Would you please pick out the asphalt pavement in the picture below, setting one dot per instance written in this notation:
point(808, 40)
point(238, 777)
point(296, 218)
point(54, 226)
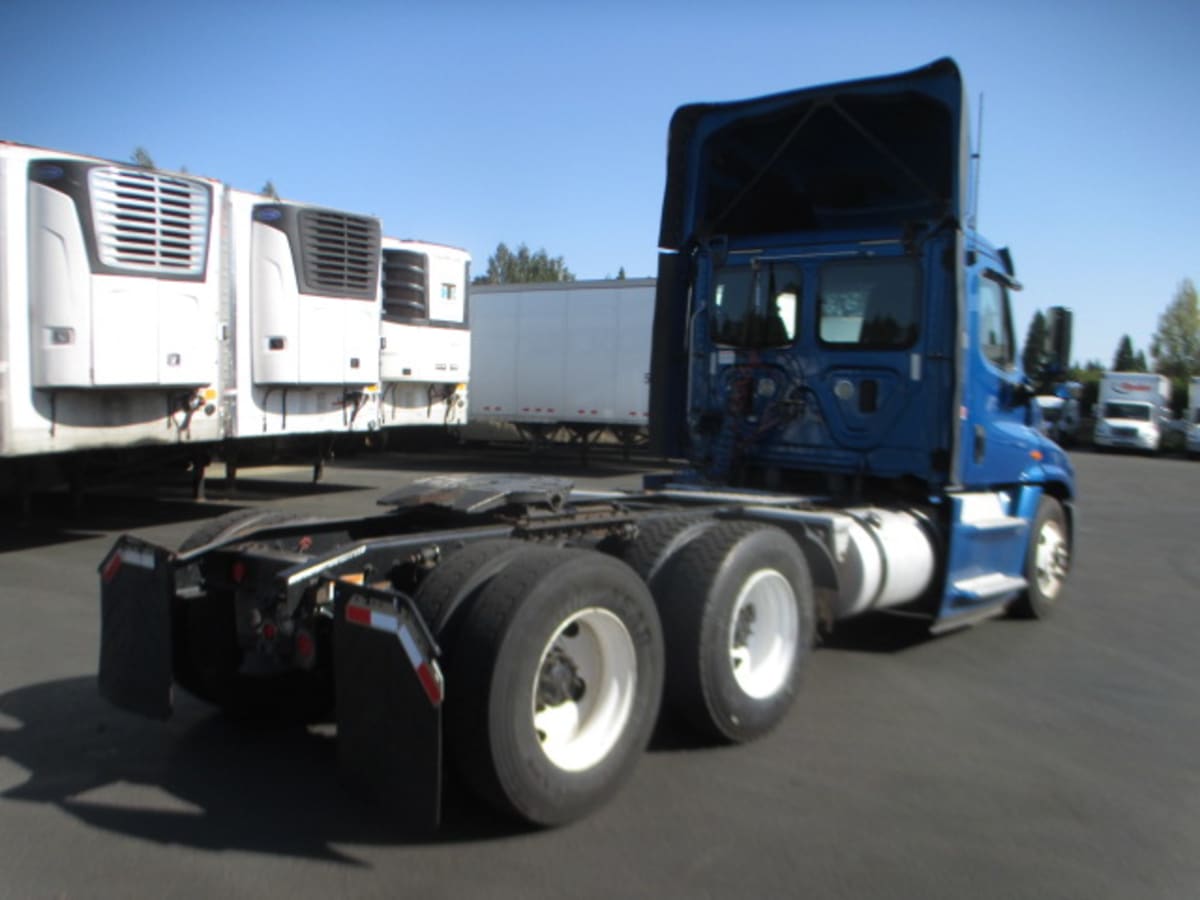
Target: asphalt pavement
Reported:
point(1055, 759)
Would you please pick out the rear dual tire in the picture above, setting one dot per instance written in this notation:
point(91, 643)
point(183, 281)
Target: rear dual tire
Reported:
point(736, 603)
point(554, 680)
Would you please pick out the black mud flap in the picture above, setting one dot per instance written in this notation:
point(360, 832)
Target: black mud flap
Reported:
point(389, 705)
point(137, 584)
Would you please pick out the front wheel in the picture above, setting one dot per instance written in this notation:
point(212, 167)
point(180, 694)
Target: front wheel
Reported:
point(553, 683)
point(1047, 561)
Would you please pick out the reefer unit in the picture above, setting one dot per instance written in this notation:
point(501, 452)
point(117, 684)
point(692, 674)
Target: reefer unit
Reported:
point(109, 294)
point(425, 359)
point(564, 353)
point(305, 312)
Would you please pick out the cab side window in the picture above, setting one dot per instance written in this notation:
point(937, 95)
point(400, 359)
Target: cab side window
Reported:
point(995, 324)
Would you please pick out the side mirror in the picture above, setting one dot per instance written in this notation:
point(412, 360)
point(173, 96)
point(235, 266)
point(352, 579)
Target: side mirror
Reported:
point(1021, 394)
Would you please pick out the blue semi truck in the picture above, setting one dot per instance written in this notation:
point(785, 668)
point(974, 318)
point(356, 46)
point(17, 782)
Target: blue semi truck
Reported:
point(835, 368)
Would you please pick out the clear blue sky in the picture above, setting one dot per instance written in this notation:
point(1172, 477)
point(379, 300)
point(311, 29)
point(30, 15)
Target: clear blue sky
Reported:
point(471, 123)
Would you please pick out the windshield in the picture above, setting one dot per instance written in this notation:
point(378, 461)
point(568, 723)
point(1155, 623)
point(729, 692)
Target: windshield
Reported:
point(756, 305)
point(1136, 411)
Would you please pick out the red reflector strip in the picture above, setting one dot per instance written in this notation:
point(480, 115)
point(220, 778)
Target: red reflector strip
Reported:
point(359, 615)
point(111, 568)
point(426, 669)
point(126, 556)
point(431, 680)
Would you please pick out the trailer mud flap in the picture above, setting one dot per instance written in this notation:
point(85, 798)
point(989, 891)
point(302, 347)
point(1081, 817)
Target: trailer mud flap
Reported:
point(389, 705)
point(137, 584)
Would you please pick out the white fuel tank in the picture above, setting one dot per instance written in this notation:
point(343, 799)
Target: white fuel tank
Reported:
point(886, 559)
point(881, 557)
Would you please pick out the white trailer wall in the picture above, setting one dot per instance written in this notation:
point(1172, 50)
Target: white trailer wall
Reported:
point(567, 353)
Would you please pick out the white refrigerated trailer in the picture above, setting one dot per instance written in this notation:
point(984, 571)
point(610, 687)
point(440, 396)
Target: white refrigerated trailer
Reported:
point(148, 315)
point(563, 356)
point(110, 284)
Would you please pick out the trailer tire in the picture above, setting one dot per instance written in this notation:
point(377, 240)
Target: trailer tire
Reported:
point(1047, 561)
point(553, 684)
point(659, 539)
point(738, 614)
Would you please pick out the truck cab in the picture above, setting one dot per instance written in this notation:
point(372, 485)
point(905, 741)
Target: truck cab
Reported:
point(845, 327)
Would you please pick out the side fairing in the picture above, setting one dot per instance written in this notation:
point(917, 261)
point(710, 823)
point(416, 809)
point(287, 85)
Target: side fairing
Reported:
point(888, 151)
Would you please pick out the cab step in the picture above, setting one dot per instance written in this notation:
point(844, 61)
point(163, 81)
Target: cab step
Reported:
point(990, 586)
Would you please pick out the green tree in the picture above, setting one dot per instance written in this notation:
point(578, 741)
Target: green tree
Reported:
point(1033, 358)
point(523, 267)
point(1088, 375)
point(1125, 360)
point(1176, 345)
point(621, 274)
point(268, 190)
point(141, 157)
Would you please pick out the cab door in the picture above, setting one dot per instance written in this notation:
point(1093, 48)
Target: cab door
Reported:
point(996, 440)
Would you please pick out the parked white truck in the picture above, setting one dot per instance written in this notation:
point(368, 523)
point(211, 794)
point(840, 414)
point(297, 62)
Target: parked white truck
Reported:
point(1060, 413)
point(1132, 410)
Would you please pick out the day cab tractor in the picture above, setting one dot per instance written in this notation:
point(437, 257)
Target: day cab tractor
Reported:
point(834, 366)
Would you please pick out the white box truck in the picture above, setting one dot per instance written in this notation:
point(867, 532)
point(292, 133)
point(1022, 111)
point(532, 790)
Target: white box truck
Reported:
point(1132, 411)
point(572, 355)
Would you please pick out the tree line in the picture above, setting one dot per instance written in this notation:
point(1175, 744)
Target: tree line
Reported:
point(1174, 350)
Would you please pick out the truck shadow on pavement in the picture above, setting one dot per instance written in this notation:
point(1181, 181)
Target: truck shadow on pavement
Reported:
point(201, 780)
point(878, 632)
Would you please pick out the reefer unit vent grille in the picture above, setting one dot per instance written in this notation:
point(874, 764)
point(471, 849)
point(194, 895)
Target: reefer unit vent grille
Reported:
point(340, 253)
point(148, 222)
point(404, 284)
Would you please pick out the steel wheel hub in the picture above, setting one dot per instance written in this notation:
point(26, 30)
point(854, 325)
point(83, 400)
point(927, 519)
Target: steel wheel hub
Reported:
point(583, 694)
point(1051, 559)
point(764, 634)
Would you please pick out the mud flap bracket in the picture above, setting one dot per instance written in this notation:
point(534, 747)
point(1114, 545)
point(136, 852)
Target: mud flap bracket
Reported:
point(389, 704)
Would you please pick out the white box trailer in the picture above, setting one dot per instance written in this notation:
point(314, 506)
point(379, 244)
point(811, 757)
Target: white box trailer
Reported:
point(1132, 410)
point(425, 357)
point(573, 355)
point(109, 293)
